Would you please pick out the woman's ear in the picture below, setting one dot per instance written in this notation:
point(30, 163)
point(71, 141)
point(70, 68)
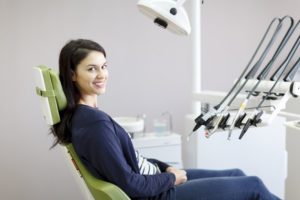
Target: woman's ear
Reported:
point(73, 75)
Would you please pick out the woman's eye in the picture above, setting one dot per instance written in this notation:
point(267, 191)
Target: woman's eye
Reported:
point(92, 69)
point(104, 66)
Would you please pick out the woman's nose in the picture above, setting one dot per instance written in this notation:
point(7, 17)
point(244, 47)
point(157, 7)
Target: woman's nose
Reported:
point(101, 74)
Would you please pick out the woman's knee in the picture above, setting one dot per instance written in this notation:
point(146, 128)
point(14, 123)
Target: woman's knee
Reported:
point(256, 182)
point(259, 189)
point(238, 172)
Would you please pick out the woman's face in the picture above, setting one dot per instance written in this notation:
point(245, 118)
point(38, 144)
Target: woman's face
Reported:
point(91, 75)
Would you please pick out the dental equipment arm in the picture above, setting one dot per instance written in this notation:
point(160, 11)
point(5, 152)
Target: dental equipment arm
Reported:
point(240, 115)
point(213, 124)
point(256, 115)
point(273, 94)
point(206, 118)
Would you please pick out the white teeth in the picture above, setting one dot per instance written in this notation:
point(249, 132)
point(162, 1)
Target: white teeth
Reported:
point(99, 84)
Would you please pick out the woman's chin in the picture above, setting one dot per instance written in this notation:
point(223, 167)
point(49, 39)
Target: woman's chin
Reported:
point(102, 91)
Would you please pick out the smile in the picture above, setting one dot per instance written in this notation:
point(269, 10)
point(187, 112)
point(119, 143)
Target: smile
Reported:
point(99, 84)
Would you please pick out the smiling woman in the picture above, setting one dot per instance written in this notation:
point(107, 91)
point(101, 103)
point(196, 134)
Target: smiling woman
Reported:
point(106, 149)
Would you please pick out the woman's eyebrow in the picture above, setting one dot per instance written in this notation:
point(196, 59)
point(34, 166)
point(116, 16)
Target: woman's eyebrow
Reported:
point(95, 65)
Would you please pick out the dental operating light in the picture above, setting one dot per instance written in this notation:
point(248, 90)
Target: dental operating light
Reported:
point(168, 14)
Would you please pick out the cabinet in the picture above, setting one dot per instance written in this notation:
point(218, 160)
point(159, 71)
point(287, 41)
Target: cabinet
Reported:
point(165, 148)
point(261, 152)
point(292, 146)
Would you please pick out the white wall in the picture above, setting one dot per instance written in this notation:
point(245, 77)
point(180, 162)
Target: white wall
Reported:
point(150, 72)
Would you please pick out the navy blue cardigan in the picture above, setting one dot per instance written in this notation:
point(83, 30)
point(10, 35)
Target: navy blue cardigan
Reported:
point(106, 150)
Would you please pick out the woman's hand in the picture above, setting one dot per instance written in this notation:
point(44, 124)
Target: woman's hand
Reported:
point(180, 175)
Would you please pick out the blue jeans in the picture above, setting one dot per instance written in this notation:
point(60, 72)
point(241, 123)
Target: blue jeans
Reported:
point(222, 185)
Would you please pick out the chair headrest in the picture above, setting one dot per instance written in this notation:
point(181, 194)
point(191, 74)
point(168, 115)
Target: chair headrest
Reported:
point(48, 87)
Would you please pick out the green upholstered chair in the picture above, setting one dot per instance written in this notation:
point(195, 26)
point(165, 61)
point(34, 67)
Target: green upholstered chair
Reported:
point(53, 100)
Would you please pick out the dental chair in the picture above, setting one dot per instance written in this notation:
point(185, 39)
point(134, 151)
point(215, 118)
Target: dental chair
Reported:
point(53, 100)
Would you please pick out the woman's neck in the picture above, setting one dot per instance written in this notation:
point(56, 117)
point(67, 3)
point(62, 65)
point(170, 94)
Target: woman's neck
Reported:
point(89, 101)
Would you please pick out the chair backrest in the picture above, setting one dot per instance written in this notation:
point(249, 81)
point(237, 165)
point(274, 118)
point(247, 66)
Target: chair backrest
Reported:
point(100, 189)
point(53, 100)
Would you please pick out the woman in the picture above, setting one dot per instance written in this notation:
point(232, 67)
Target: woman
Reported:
point(107, 151)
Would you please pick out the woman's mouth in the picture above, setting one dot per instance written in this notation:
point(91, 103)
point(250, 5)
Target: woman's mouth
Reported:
point(99, 84)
